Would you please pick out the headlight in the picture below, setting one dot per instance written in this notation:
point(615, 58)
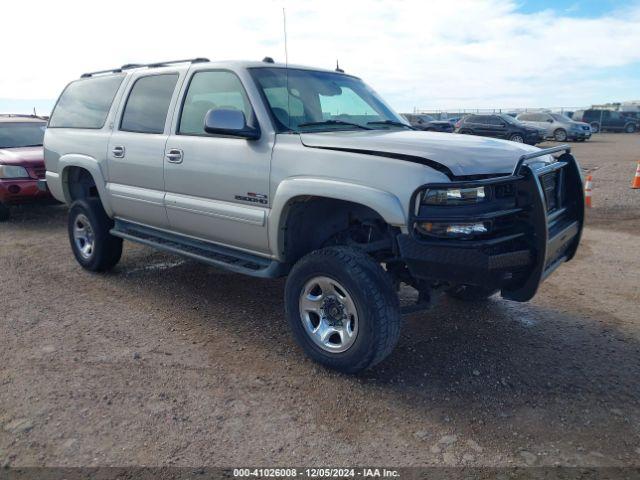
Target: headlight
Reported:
point(12, 171)
point(453, 196)
point(458, 230)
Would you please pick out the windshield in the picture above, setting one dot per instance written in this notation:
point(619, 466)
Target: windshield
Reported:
point(320, 101)
point(21, 134)
point(509, 119)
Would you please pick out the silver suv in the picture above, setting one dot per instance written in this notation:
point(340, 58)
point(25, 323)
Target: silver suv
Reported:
point(557, 126)
point(269, 171)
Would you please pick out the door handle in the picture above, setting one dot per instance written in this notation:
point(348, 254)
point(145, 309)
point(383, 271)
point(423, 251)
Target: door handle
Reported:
point(118, 152)
point(174, 155)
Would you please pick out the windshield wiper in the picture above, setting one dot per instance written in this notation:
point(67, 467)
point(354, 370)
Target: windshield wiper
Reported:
point(334, 122)
point(391, 122)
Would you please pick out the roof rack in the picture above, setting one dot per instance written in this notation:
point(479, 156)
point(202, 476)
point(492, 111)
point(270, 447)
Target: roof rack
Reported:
point(129, 66)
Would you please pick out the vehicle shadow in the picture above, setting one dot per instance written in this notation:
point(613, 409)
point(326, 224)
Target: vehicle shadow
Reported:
point(464, 352)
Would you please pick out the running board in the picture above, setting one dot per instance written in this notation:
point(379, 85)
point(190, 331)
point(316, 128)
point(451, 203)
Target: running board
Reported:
point(205, 252)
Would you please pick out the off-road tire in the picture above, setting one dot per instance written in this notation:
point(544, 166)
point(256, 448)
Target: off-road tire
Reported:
point(471, 293)
point(107, 248)
point(560, 135)
point(373, 294)
point(5, 213)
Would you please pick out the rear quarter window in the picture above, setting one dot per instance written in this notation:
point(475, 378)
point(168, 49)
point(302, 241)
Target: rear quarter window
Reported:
point(85, 103)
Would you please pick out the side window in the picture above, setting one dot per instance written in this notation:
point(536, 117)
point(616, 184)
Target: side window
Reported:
point(208, 90)
point(527, 117)
point(495, 121)
point(474, 119)
point(85, 103)
point(148, 104)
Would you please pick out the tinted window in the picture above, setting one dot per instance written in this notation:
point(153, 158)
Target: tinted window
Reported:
point(85, 103)
point(527, 117)
point(495, 121)
point(148, 104)
point(209, 90)
point(475, 119)
point(21, 134)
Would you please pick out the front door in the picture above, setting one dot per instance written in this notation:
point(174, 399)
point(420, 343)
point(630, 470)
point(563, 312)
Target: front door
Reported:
point(217, 187)
point(136, 150)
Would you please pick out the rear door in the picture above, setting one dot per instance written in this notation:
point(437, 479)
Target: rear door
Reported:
point(137, 146)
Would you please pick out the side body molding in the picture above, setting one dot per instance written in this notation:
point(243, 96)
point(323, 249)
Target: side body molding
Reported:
point(93, 167)
point(387, 205)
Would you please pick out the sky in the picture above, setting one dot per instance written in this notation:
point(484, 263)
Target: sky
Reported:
point(417, 54)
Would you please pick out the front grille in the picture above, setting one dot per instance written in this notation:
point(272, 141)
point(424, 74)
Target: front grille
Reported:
point(549, 182)
point(39, 172)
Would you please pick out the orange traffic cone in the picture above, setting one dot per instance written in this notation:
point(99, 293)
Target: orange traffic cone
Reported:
point(587, 191)
point(636, 179)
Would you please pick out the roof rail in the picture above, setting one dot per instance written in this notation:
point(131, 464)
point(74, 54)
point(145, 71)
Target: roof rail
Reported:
point(129, 66)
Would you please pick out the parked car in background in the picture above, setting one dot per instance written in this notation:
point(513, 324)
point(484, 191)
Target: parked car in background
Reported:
point(557, 126)
point(428, 123)
point(606, 120)
point(21, 161)
point(500, 125)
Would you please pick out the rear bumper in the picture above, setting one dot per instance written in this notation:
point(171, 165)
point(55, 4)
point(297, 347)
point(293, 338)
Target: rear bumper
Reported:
point(529, 239)
point(17, 191)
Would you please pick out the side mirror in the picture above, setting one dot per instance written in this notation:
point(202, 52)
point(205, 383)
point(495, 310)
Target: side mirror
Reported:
point(223, 121)
point(550, 120)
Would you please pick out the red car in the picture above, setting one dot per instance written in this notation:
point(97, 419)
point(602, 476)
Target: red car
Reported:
point(21, 161)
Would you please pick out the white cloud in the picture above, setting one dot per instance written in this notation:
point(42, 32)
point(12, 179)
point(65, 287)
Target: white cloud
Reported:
point(466, 53)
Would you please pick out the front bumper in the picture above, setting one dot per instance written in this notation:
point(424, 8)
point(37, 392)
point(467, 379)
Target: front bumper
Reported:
point(536, 226)
point(579, 135)
point(21, 190)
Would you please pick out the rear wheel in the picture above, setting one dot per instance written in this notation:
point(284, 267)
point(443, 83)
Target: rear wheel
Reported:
point(516, 137)
point(630, 128)
point(471, 293)
point(93, 246)
point(4, 213)
point(560, 135)
point(595, 127)
point(342, 309)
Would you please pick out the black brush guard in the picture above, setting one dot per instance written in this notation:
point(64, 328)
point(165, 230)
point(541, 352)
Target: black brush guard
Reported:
point(536, 216)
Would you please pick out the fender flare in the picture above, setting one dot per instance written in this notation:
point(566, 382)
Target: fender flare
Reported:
point(387, 205)
point(93, 167)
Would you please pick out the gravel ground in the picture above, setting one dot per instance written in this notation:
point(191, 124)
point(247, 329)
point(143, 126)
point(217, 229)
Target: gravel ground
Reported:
point(168, 362)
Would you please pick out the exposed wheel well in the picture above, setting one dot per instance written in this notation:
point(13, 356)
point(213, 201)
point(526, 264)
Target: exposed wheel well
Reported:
point(80, 183)
point(313, 222)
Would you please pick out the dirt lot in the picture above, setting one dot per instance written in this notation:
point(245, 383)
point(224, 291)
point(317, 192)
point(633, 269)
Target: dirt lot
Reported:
point(168, 362)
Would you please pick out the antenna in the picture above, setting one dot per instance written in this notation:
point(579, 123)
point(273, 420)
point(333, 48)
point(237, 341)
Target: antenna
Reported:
point(338, 69)
point(284, 25)
point(286, 66)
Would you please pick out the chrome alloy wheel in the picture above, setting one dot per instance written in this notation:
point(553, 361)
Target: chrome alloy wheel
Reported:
point(83, 236)
point(328, 314)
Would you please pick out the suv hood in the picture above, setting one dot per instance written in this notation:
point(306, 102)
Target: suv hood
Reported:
point(461, 155)
point(23, 156)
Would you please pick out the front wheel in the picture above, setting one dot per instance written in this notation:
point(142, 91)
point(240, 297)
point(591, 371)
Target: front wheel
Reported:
point(93, 246)
point(630, 128)
point(560, 135)
point(5, 214)
point(595, 127)
point(516, 137)
point(342, 309)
